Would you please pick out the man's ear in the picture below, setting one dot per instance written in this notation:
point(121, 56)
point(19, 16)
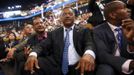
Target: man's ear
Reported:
point(112, 15)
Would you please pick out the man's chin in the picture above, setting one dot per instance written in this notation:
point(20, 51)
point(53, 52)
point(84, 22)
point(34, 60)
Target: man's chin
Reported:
point(40, 30)
point(68, 23)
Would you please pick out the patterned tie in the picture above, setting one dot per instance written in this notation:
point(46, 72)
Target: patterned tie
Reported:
point(119, 37)
point(65, 53)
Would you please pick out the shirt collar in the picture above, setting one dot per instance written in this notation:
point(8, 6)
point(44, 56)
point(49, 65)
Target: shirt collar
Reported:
point(70, 27)
point(113, 27)
point(42, 36)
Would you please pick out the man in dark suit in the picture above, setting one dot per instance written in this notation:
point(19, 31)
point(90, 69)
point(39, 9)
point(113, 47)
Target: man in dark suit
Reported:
point(113, 57)
point(39, 35)
point(70, 47)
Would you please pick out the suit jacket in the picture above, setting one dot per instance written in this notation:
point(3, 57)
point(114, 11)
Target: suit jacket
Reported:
point(34, 40)
point(106, 46)
point(97, 17)
point(55, 43)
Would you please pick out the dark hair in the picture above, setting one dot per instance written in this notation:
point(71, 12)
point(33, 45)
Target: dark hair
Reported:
point(111, 7)
point(13, 34)
point(67, 7)
point(37, 17)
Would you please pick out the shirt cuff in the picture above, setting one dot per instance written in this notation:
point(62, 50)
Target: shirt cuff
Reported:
point(125, 67)
point(91, 53)
point(33, 54)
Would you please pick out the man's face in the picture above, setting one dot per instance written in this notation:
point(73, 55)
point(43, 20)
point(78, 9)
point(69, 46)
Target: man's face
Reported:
point(11, 36)
point(122, 12)
point(39, 25)
point(28, 29)
point(67, 17)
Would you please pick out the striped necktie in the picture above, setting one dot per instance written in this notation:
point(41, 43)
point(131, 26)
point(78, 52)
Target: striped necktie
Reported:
point(65, 53)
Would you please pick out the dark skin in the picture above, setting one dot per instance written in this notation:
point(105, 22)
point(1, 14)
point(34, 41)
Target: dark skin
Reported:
point(131, 2)
point(121, 17)
point(86, 63)
point(118, 14)
point(128, 29)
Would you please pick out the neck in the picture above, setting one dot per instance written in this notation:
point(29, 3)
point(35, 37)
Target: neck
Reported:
point(27, 34)
point(41, 32)
point(68, 26)
point(115, 23)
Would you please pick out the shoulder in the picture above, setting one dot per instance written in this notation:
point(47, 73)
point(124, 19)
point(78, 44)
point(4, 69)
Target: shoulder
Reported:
point(80, 27)
point(102, 26)
point(55, 32)
point(32, 38)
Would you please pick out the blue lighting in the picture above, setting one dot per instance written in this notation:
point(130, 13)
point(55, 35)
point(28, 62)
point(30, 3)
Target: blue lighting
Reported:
point(37, 13)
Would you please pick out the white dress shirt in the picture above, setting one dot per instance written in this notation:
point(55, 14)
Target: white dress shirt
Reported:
point(73, 56)
point(125, 66)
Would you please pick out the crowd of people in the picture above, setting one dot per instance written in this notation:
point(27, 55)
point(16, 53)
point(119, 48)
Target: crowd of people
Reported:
point(94, 43)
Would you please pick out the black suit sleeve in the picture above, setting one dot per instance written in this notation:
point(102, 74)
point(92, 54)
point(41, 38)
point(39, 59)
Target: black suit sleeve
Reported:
point(88, 40)
point(44, 48)
point(103, 54)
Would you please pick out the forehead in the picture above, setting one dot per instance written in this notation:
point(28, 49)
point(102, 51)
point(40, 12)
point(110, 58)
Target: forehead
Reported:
point(116, 5)
point(66, 10)
point(121, 5)
point(37, 20)
point(28, 26)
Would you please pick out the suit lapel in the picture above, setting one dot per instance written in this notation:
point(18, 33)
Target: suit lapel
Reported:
point(61, 38)
point(75, 35)
point(124, 45)
point(109, 32)
point(111, 38)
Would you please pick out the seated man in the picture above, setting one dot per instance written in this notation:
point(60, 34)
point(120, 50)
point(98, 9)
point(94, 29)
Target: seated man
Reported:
point(70, 47)
point(39, 36)
point(112, 53)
